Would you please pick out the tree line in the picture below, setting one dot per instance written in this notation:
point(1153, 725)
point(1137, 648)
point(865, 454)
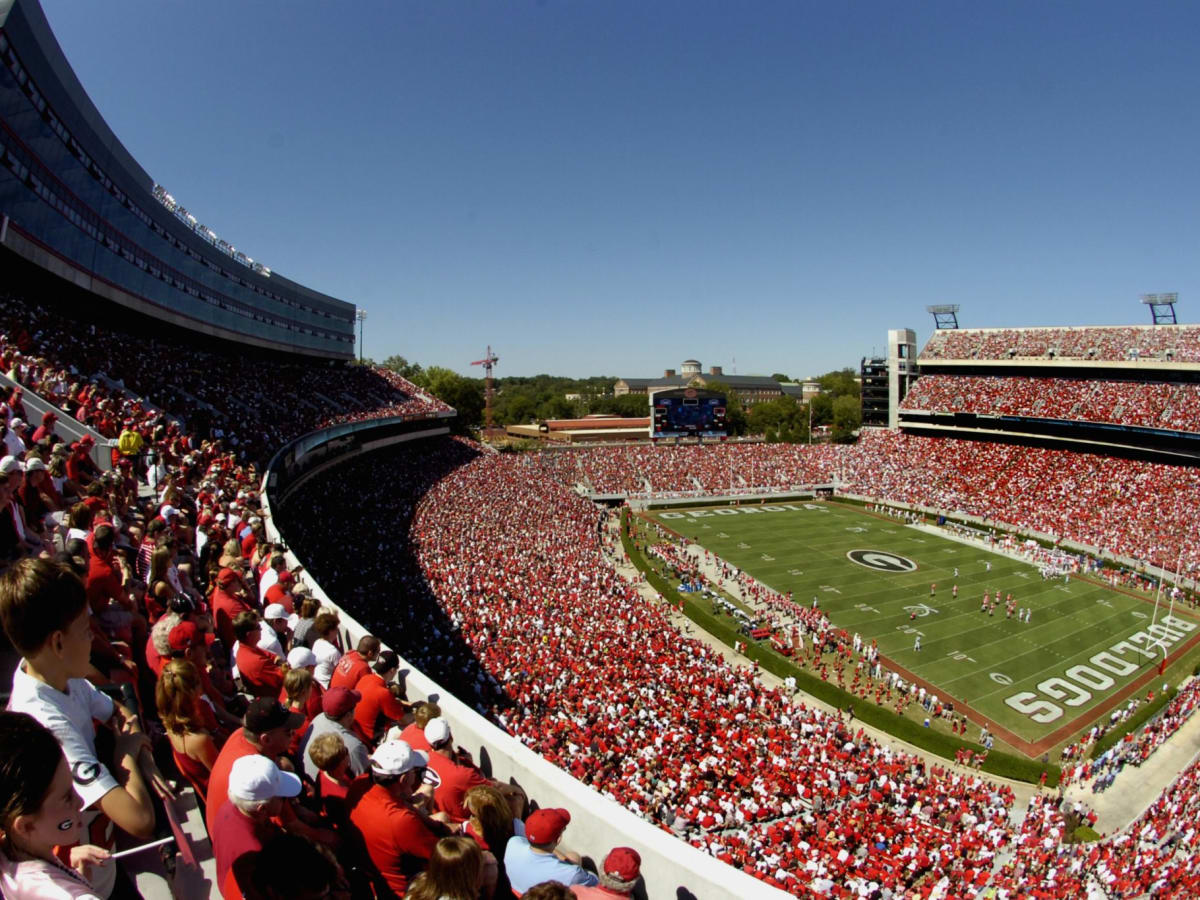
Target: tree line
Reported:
point(519, 400)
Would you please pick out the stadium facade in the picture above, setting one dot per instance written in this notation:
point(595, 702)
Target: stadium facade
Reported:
point(75, 202)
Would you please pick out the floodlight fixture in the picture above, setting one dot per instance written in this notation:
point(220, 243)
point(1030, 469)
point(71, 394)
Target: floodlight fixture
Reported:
point(945, 315)
point(1162, 307)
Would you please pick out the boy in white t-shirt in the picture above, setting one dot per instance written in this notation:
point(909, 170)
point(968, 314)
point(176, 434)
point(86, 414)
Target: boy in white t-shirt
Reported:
point(44, 609)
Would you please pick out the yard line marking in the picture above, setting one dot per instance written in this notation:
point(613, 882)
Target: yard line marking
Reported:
point(1085, 653)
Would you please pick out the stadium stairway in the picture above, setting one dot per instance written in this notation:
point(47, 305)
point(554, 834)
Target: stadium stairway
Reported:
point(68, 428)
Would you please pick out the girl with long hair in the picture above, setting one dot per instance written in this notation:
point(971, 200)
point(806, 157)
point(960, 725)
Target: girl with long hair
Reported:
point(189, 722)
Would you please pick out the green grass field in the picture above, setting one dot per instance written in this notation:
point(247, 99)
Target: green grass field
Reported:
point(1084, 642)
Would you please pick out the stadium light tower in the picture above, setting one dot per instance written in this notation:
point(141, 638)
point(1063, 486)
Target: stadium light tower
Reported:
point(945, 315)
point(1162, 307)
point(361, 315)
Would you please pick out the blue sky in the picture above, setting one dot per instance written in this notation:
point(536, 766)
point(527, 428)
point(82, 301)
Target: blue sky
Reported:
point(612, 187)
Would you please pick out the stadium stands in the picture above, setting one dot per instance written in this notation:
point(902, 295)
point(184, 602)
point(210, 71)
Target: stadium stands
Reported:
point(488, 571)
point(1148, 405)
point(1175, 343)
point(621, 708)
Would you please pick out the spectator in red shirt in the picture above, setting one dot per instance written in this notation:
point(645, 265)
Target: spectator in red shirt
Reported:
point(257, 788)
point(258, 669)
point(381, 705)
point(267, 731)
point(456, 773)
point(281, 592)
point(355, 664)
point(388, 810)
point(106, 594)
point(229, 599)
point(414, 732)
point(46, 429)
point(303, 658)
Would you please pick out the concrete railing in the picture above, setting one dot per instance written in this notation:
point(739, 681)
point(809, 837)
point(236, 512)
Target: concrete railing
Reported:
point(670, 867)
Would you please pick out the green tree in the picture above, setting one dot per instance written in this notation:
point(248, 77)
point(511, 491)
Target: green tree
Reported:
point(840, 383)
point(464, 394)
point(557, 406)
point(735, 412)
point(822, 409)
point(517, 409)
point(402, 367)
point(784, 417)
point(629, 406)
point(847, 418)
point(781, 378)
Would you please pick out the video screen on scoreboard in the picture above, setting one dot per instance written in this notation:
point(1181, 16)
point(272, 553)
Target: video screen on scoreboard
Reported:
point(688, 412)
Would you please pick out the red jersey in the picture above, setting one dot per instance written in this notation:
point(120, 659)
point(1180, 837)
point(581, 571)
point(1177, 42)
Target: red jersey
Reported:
point(397, 839)
point(349, 671)
point(259, 670)
point(377, 699)
point(218, 779)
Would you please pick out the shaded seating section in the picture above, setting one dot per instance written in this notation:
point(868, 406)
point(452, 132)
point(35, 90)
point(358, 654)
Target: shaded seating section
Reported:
point(1150, 405)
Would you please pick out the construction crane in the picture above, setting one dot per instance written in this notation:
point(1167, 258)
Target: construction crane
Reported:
point(487, 362)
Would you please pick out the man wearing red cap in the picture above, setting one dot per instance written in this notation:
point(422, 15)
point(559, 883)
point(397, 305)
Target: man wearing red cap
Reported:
point(80, 468)
point(618, 876)
point(228, 600)
point(46, 429)
point(533, 859)
point(337, 717)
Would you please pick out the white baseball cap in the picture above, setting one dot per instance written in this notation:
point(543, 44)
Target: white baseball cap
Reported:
point(437, 730)
point(275, 611)
point(301, 658)
point(11, 464)
point(256, 777)
point(396, 758)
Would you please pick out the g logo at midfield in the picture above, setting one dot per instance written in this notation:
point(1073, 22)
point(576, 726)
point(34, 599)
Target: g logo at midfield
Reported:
point(882, 561)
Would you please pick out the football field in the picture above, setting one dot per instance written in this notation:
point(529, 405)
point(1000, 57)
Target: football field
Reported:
point(1083, 644)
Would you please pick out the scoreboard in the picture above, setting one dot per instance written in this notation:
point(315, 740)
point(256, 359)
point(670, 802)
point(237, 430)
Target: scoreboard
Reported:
point(687, 412)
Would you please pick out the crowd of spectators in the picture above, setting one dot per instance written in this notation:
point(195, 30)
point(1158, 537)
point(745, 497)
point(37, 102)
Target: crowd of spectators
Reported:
point(1179, 343)
point(1132, 750)
point(232, 397)
point(622, 701)
point(1130, 508)
point(1160, 405)
point(488, 575)
point(663, 470)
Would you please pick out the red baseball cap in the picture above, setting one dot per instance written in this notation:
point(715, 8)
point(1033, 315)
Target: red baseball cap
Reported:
point(184, 636)
point(545, 826)
point(624, 863)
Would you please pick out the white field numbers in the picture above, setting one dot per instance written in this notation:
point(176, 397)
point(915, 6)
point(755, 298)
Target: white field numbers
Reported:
point(1075, 686)
point(741, 511)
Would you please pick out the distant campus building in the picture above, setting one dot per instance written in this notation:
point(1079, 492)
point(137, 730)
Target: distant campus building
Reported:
point(750, 389)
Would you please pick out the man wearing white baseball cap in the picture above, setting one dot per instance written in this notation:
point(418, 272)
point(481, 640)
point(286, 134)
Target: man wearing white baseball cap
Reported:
point(257, 788)
point(276, 636)
point(390, 814)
